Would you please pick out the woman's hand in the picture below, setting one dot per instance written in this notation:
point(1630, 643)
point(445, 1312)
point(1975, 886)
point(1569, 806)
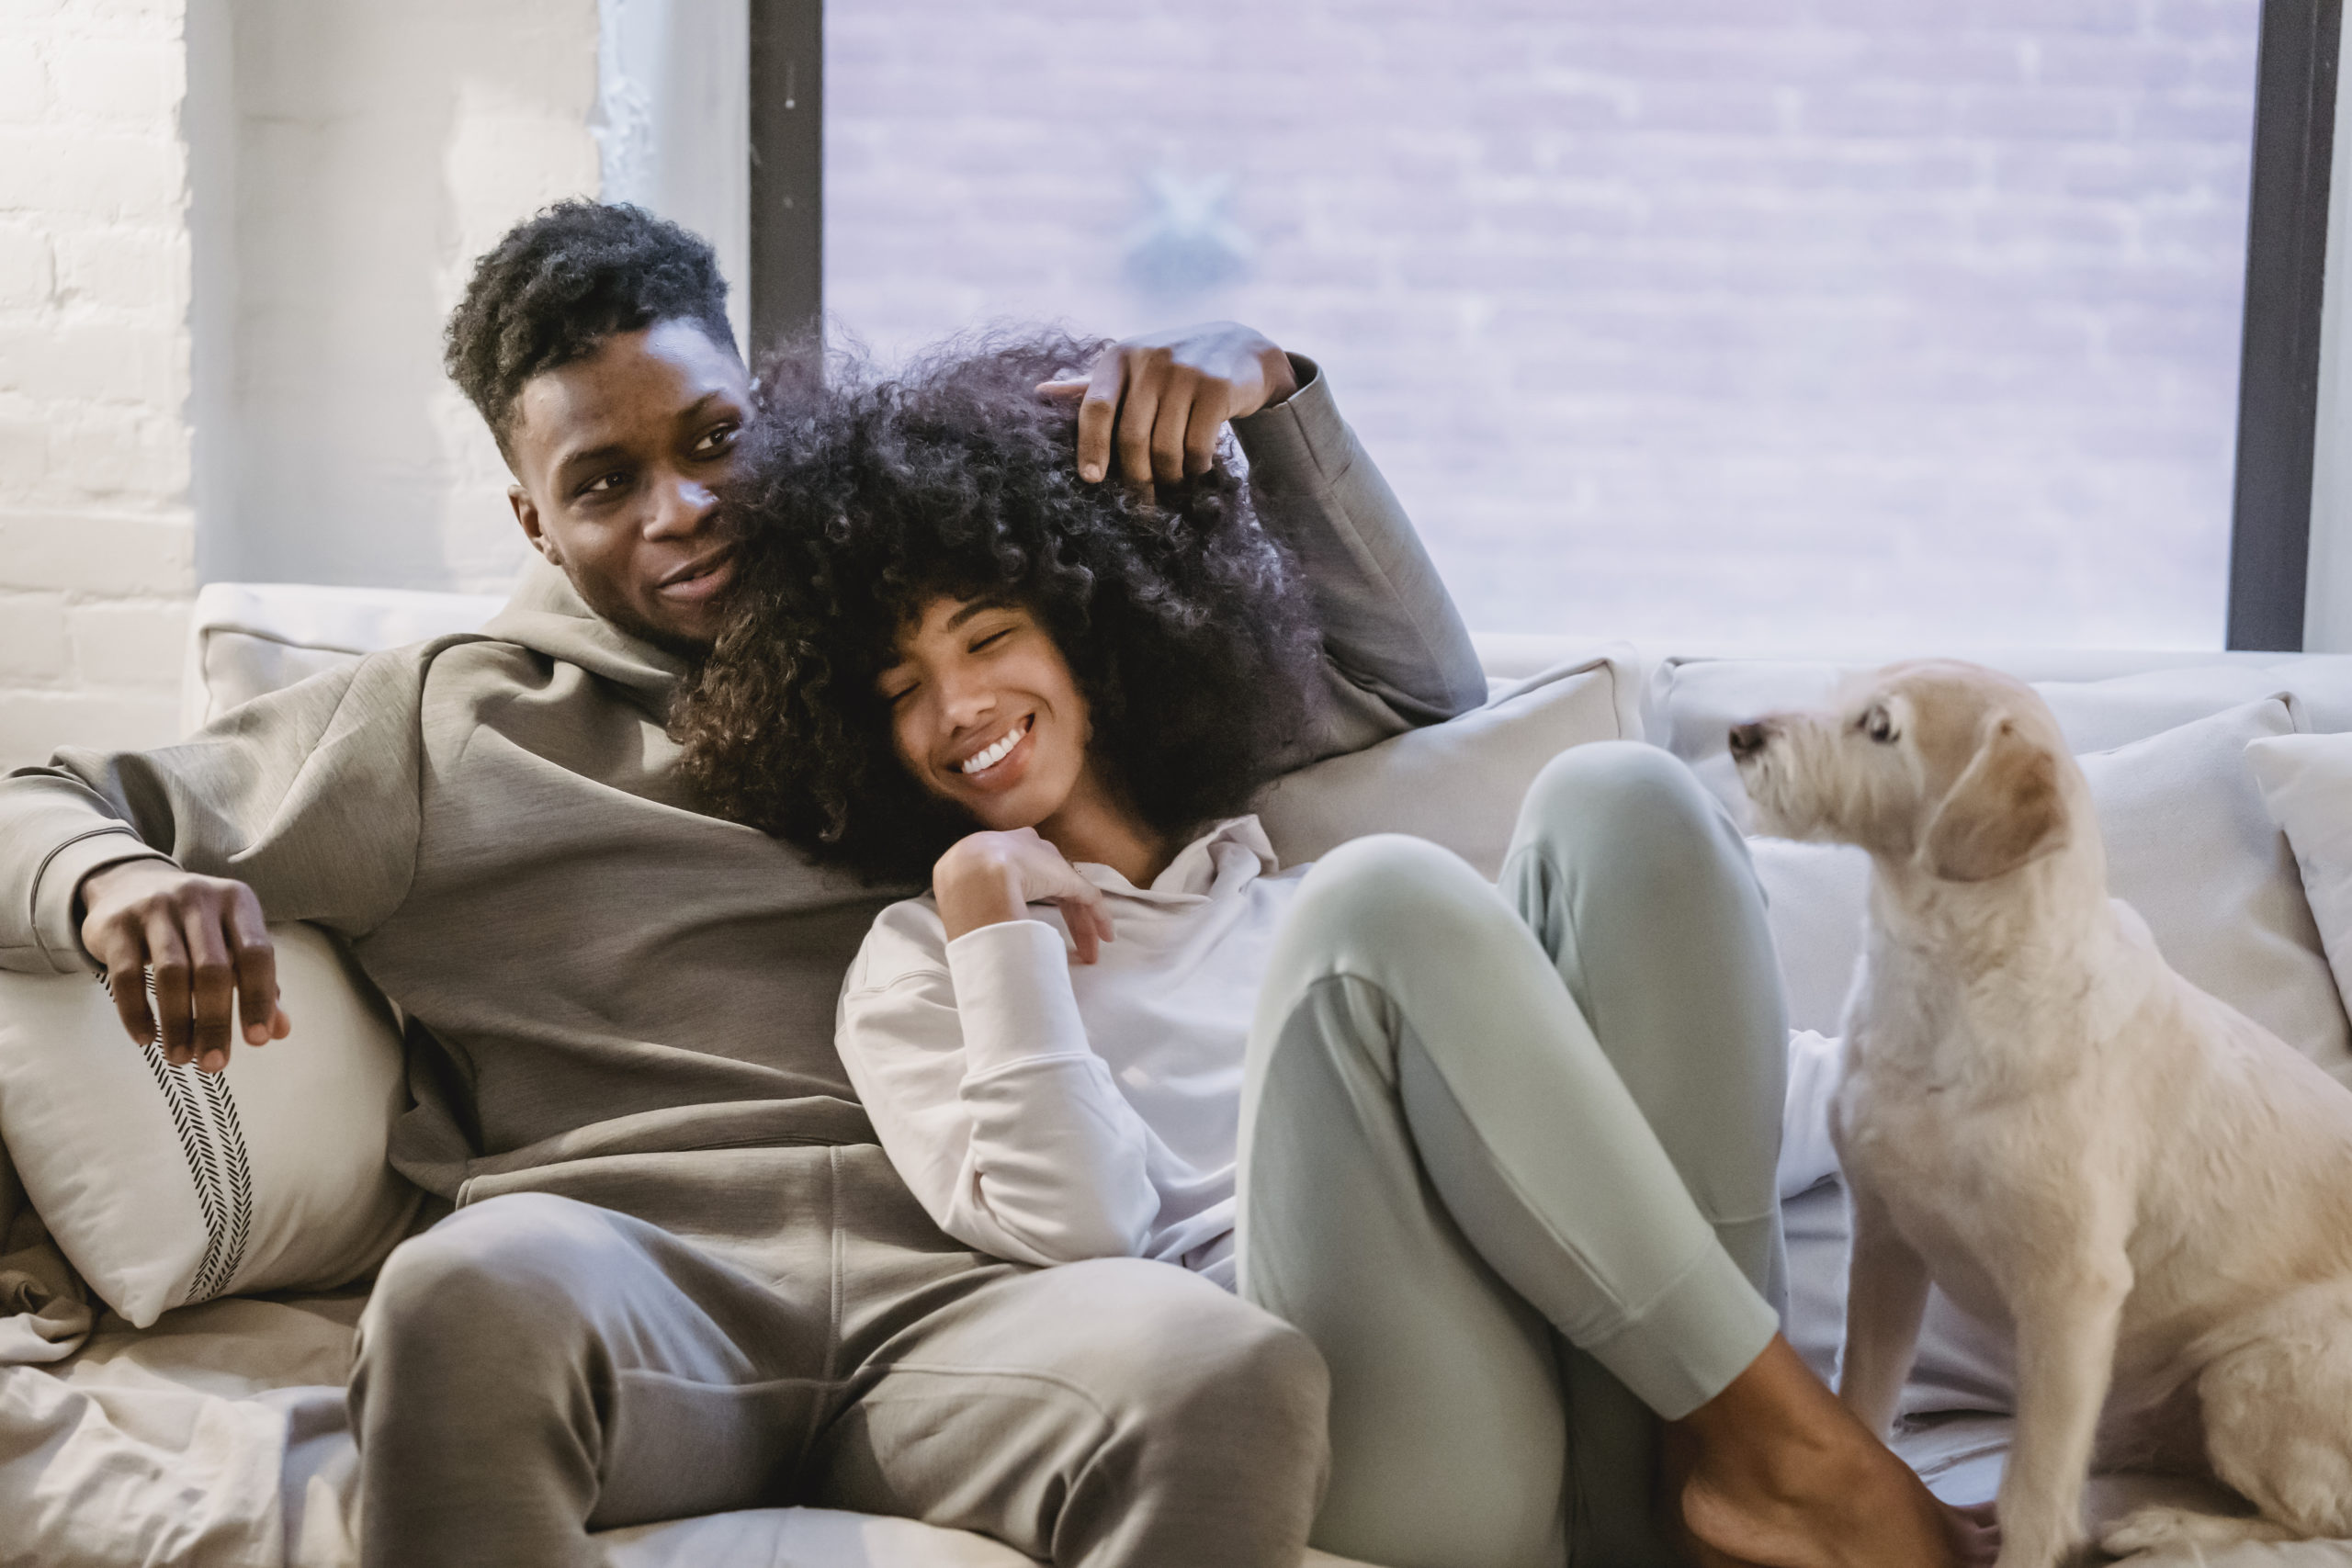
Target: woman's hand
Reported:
point(989, 878)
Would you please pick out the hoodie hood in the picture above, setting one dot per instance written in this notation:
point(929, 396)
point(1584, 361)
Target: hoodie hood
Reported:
point(548, 615)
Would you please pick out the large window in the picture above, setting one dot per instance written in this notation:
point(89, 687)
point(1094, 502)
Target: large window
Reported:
point(1724, 321)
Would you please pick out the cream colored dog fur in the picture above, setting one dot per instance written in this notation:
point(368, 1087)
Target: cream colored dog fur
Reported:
point(2039, 1115)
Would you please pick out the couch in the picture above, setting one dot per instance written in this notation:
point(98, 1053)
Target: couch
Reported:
point(216, 1436)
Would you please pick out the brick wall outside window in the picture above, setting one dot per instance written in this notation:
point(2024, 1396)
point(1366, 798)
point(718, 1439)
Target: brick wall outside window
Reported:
point(1728, 321)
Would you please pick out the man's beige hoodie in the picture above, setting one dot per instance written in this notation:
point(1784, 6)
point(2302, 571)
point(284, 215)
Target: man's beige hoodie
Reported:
point(610, 994)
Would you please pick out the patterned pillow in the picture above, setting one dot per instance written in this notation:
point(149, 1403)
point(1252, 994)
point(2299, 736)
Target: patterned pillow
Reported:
point(165, 1185)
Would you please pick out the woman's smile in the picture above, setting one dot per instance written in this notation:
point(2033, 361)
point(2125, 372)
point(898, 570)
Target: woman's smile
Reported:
point(1000, 763)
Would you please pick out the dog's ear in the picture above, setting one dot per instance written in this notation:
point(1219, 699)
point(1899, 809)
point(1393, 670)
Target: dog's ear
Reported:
point(2004, 811)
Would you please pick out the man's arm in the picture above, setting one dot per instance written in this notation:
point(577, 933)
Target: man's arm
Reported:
point(302, 804)
point(1396, 654)
point(1394, 645)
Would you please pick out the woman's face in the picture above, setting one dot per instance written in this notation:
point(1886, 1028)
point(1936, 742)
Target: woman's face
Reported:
point(985, 713)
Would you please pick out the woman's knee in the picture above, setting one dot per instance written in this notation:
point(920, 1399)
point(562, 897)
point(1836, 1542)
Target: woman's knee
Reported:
point(1390, 886)
point(1623, 804)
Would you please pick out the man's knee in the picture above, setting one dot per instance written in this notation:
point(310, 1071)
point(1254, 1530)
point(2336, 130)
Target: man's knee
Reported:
point(504, 1272)
point(1620, 803)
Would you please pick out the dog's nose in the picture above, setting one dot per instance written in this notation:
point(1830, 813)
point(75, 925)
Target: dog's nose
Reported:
point(1746, 739)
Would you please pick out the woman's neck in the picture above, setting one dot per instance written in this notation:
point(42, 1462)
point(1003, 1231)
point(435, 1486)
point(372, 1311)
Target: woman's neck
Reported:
point(1094, 826)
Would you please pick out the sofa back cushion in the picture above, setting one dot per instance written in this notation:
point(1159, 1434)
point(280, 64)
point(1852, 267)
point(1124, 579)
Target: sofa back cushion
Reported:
point(1457, 783)
point(248, 639)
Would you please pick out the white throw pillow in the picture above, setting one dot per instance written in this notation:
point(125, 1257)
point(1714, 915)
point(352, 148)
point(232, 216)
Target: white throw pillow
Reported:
point(2191, 847)
point(165, 1185)
point(1457, 783)
point(2307, 782)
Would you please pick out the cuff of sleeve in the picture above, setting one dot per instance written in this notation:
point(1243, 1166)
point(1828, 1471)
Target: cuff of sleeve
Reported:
point(60, 878)
point(1300, 443)
point(1686, 1346)
point(1012, 994)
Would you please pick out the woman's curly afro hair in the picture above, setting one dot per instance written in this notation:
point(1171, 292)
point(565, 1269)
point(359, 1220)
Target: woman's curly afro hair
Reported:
point(864, 499)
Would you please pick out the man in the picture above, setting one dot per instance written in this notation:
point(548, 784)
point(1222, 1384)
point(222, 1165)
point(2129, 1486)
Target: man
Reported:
point(681, 1276)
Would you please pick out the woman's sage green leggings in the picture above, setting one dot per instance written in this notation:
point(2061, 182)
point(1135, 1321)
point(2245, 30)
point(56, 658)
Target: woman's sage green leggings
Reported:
point(1507, 1157)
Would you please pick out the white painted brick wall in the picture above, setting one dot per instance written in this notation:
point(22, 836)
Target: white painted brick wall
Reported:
point(1749, 321)
point(96, 534)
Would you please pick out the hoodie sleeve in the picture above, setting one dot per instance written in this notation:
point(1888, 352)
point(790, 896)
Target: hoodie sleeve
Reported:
point(1396, 654)
point(974, 1064)
point(308, 795)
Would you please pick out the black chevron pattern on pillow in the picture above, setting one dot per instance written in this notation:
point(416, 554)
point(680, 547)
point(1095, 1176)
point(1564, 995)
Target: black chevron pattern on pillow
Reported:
point(220, 1166)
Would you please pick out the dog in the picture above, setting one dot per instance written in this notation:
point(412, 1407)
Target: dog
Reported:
point(2149, 1190)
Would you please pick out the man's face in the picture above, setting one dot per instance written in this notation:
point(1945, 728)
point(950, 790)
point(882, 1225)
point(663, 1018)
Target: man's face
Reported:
point(617, 458)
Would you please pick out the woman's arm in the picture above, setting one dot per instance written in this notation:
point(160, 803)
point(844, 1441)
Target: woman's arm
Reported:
point(972, 1061)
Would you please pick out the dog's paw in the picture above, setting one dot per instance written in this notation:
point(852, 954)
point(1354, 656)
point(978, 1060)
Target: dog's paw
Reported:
point(2161, 1528)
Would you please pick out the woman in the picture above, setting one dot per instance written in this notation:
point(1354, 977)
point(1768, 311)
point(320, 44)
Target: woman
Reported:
point(1442, 1128)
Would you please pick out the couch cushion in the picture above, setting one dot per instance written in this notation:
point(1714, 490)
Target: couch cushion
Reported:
point(2307, 783)
point(246, 638)
point(1457, 783)
point(165, 1186)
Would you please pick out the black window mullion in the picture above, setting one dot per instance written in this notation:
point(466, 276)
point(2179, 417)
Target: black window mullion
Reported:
point(787, 169)
point(2286, 268)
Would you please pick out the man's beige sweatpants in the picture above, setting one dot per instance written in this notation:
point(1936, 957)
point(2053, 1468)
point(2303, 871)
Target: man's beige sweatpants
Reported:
point(1507, 1159)
point(534, 1367)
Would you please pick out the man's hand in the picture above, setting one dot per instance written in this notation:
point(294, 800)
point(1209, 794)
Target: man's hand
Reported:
point(1163, 398)
point(989, 878)
point(203, 940)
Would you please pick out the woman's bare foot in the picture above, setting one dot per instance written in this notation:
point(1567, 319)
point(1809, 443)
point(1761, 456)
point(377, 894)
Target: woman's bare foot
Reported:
point(1773, 1472)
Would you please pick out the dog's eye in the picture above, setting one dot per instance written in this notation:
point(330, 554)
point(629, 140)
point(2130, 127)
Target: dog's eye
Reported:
point(1879, 725)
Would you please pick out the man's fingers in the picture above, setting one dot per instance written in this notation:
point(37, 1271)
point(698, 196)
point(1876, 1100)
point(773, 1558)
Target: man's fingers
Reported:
point(212, 985)
point(1064, 389)
point(125, 957)
point(256, 960)
point(1169, 422)
point(1134, 438)
point(167, 968)
point(1212, 406)
point(1097, 414)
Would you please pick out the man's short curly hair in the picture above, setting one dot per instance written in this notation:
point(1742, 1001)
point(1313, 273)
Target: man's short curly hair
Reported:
point(862, 500)
point(563, 281)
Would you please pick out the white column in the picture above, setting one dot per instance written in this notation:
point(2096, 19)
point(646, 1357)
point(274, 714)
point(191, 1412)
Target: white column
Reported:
point(674, 122)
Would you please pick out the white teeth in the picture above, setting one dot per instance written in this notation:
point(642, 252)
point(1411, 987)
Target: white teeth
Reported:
point(994, 754)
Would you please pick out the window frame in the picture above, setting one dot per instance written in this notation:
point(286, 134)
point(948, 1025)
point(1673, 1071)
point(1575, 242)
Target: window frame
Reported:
point(788, 186)
point(2278, 365)
point(2278, 362)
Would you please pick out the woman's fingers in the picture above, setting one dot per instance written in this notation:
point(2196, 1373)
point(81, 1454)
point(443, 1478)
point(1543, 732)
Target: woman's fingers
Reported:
point(1089, 922)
